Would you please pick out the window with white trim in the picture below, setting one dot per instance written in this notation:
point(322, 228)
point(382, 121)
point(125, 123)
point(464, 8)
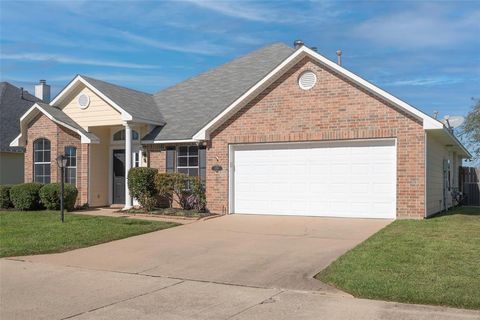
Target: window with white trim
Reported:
point(41, 160)
point(187, 160)
point(71, 167)
point(190, 160)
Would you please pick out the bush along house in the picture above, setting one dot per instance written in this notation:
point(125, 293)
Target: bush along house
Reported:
point(280, 131)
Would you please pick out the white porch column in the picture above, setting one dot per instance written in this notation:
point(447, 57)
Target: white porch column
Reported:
point(128, 163)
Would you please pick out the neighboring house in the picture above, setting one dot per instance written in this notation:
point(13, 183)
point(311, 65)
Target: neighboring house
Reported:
point(14, 102)
point(279, 131)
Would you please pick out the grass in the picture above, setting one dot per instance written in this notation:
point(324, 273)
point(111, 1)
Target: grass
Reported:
point(36, 232)
point(434, 261)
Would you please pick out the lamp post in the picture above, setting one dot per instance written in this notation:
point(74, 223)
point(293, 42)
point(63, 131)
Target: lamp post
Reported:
point(61, 163)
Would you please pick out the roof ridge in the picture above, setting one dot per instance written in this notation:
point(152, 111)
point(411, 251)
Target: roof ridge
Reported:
point(220, 66)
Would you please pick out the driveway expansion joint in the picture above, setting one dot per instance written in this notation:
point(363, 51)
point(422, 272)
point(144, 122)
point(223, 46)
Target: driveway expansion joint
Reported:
point(122, 300)
point(269, 299)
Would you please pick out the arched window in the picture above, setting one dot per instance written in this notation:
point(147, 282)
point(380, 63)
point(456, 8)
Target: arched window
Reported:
point(41, 160)
point(120, 135)
point(71, 167)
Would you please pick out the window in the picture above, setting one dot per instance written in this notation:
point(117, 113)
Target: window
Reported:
point(71, 167)
point(187, 160)
point(120, 135)
point(41, 160)
point(190, 160)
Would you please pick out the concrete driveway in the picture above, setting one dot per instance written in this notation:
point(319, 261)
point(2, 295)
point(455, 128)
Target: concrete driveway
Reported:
point(259, 251)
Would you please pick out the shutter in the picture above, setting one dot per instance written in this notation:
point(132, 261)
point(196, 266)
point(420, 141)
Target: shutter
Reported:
point(170, 158)
point(202, 163)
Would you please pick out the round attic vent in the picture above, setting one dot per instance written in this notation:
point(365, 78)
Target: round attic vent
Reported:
point(307, 80)
point(83, 101)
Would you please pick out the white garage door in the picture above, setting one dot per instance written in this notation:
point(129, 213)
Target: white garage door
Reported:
point(337, 179)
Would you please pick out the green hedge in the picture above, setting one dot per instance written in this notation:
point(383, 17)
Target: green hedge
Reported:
point(141, 184)
point(50, 196)
point(26, 196)
point(5, 202)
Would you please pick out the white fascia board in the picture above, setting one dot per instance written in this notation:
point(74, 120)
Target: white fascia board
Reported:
point(428, 122)
point(16, 142)
point(83, 138)
point(466, 154)
point(125, 115)
point(203, 134)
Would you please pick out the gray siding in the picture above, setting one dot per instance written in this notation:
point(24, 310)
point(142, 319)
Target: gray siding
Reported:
point(11, 167)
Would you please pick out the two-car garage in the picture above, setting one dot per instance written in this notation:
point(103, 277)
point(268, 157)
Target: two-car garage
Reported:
point(354, 178)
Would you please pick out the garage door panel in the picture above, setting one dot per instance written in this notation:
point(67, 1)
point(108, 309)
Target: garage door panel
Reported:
point(343, 179)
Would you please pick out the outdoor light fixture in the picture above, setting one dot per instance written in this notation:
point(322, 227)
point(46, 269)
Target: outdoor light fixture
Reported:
point(62, 163)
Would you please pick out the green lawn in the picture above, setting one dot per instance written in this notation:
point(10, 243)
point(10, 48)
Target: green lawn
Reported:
point(434, 261)
point(30, 232)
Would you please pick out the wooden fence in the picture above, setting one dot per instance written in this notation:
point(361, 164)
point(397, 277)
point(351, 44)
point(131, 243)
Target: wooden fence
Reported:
point(470, 185)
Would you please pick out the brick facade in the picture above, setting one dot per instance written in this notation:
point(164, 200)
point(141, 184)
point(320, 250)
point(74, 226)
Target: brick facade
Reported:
point(156, 157)
point(334, 109)
point(60, 137)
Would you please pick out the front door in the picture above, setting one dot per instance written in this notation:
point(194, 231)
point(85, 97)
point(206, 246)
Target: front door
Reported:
point(118, 176)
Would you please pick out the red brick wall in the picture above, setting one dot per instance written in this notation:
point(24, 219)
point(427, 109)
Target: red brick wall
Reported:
point(334, 109)
point(42, 127)
point(156, 157)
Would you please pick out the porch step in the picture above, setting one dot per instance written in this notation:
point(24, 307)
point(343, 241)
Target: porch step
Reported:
point(117, 206)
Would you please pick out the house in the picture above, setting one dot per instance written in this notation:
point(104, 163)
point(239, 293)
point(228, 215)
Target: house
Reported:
point(279, 131)
point(13, 103)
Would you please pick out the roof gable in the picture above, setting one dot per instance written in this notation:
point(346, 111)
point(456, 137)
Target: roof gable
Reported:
point(57, 116)
point(284, 66)
point(132, 104)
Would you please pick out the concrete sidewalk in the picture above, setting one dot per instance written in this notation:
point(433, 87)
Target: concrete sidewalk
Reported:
point(40, 291)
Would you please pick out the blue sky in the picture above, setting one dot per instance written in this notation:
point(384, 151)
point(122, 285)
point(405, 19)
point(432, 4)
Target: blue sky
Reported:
point(424, 52)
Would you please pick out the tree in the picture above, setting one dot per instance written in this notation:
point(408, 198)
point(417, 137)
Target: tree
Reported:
point(470, 130)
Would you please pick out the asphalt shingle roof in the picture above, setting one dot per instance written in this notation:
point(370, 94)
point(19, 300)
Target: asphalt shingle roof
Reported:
point(183, 109)
point(12, 107)
point(190, 105)
point(60, 116)
point(138, 104)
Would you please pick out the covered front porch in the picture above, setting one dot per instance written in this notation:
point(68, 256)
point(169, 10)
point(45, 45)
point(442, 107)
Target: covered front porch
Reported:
point(118, 151)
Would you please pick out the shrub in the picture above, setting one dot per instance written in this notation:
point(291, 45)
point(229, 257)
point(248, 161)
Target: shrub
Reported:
point(142, 186)
point(50, 196)
point(5, 202)
point(164, 186)
point(173, 186)
point(197, 198)
point(26, 196)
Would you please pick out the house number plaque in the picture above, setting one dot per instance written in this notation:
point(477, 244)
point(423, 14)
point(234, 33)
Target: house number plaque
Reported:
point(217, 168)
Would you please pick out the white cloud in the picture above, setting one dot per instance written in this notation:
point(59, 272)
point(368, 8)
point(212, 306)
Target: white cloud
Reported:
point(426, 26)
point(428, 81)
point(284, 12)
point(74, 60)
point(237, 9)
point(188, 47)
